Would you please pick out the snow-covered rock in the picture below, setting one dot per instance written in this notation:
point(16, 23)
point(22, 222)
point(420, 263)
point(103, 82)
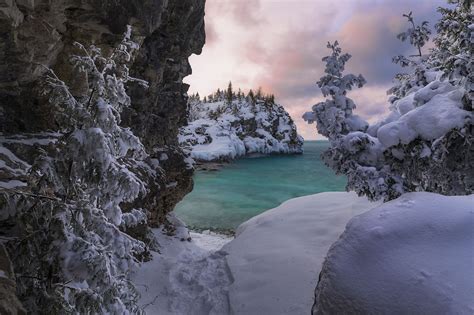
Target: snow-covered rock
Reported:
point(224, 130)
point(413, 255)
point(276, 256)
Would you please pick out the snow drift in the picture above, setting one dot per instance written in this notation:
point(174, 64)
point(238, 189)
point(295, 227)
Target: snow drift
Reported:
point(413, 255)
point(276, 256)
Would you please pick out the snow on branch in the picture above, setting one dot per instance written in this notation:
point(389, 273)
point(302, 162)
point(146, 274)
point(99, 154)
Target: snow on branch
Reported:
point(76, 193)
point(426, 141)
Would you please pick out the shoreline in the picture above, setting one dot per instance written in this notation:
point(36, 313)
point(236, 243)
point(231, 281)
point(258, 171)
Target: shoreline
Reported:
point(218, 164)
point(211, 230)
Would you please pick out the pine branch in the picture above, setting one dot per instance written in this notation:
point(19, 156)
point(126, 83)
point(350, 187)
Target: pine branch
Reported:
point(14, 191)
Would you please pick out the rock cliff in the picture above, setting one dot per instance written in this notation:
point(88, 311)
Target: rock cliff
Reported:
point(230, 125)
point(38, 35)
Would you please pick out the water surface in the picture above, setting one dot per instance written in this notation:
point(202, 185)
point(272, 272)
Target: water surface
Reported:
point(224, 199)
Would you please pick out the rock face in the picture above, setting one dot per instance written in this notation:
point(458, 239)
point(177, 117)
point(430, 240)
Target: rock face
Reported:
point(39, 33)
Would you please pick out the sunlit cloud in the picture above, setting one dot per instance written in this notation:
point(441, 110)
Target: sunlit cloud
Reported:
point(278, 45)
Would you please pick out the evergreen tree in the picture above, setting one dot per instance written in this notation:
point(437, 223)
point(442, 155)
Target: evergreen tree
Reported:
point(251, 96)
point(73, 256)
point(407, 82)
point(453, 51)
point(218, 96)
point(272, 99)
point(229, 94)
point(259, 94)
point(334, 116)
point(418, 35)
point(401, 153)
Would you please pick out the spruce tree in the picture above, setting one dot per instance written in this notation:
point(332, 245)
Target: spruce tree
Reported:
point(229, 94)
point(251, 96)
point(418, 35)
point(401, 153)
point(72, 253)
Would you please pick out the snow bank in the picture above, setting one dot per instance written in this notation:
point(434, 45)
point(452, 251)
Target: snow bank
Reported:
point(276, 257)
point(222, 131)
point(413, 255)
point(187, 276)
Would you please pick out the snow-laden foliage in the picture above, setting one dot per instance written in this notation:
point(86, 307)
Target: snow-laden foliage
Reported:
point(226, 125)
point(426, 141)
point(72, 255)
point(335, 115)
point(454, 45)
point(418, 35)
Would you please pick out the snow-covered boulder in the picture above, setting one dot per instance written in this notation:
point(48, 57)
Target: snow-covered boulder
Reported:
point(413, 255)
point(276, 256)
point(224, 129)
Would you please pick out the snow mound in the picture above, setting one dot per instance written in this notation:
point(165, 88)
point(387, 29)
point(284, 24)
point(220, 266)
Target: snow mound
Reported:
point(222, 131)
point(413, 255)
point(276, 256)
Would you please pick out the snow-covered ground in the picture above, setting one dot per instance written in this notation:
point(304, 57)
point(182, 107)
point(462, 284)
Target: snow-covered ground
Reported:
point(276, 257)
point(413, 255)
point(271, 267)
point(186, 277)
point(221, 131)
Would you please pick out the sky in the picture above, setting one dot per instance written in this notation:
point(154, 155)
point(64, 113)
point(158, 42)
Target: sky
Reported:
point(278, 45)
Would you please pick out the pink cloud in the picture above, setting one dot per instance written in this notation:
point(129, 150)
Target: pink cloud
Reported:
point(278, 45)
point(247, 12)
point(211, 35)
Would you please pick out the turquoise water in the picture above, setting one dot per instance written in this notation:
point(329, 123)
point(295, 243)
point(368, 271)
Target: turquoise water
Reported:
point(224, 199)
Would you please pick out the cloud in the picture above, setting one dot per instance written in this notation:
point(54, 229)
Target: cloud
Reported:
point(211, 35)
point(279, 44)
point(254, 52)
point(247, 12)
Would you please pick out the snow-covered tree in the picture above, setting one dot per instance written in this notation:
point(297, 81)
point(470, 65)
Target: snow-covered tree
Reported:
point(249, 125)
point(72, 252)
point(334, 116)
point(426, 141)
point(418, 35)
point(454, 47)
